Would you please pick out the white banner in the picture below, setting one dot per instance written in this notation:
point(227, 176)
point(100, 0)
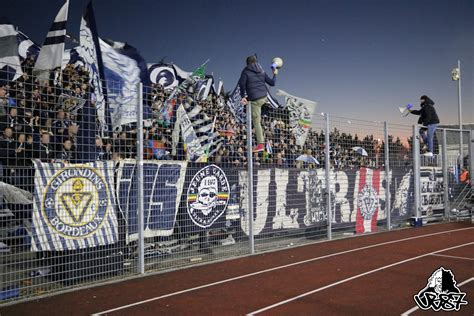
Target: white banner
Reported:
point(301, 114)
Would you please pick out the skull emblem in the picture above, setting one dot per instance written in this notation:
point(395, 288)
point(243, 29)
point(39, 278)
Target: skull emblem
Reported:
point(207, 195)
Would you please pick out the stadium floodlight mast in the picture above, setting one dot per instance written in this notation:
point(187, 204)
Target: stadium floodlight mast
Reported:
point(456, 76)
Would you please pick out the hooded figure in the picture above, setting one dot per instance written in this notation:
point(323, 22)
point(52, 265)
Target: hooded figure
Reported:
point(427, 112)
point(252, 83)
point(428, 118)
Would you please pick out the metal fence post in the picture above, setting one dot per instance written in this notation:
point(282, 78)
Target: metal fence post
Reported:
point(140, 193)
point(387, 178)
point(444, 153)
point(416, 169)
point(471, 156)
point(250, 178)
point(328, 178)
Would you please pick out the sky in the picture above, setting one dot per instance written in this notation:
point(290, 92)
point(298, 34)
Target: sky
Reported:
point(358, 59)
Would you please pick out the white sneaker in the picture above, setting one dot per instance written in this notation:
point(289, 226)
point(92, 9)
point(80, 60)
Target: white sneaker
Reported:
point(428, 154)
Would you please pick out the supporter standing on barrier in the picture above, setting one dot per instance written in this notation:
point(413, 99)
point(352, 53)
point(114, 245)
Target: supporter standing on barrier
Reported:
point(428, 118)
point(253, 88)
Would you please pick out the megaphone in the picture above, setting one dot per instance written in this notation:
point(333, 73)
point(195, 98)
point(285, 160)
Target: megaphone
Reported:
point(404, 110)
point(277, 63)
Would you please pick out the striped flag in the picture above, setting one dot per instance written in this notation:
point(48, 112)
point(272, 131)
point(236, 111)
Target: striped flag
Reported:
point(51, 53)
point(219, 88)
point(73, 206)
point(197, 132)
point(10, 67)
point(269, 148)
point(273, 103)
point(204, 87)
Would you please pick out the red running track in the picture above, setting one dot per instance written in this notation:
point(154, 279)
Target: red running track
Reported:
point(369, 275)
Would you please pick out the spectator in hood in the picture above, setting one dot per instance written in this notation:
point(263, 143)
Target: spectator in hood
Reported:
point(252, 83)
point(429, 119)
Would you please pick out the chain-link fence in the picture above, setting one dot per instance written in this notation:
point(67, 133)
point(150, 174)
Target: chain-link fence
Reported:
point(155, 179)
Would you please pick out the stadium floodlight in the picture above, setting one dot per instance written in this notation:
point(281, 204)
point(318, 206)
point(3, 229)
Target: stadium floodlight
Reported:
point(455, 75)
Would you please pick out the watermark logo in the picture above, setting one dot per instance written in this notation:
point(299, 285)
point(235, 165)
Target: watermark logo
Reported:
point(441, 293)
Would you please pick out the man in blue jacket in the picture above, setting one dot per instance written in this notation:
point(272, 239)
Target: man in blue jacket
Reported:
point(428, 118)
point(253, 89)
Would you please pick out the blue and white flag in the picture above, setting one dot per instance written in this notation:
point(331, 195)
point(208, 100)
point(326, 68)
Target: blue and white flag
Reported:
point(10, 67)
point(91, 55)
point(73, 206)
point(163, 185)
point(203, 88)
point(123, 74)
point(197, 132)
point(51, 54)
point(233, 103)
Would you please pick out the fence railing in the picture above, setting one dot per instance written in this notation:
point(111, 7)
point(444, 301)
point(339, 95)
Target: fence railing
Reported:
point(88, 196)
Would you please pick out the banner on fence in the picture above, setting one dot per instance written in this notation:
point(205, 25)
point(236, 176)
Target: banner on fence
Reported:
point(73, 206)
point(296, 199)
point(210, 197)
point(163, 183)
point(432, 190)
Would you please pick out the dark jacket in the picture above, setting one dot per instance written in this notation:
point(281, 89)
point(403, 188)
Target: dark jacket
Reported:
point(252, 82)
point(23, 158)
point(66, 155)
point(7, 152)
point(427, 113)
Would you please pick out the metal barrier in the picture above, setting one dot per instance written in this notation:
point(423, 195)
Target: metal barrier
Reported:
point(179, 185)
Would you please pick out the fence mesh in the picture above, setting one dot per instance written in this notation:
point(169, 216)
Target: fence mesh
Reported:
point(88, 193)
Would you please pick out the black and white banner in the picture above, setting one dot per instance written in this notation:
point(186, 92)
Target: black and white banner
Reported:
point(301, 112)
point(295, 199)
point(163, 185)
point(210, 197)
point(167, 75)
point(73, 206)
point(432, 191)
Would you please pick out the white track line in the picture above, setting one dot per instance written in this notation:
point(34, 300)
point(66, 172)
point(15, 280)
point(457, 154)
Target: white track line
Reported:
point(454, 257)
point(415, 308)
point(276, 268)
point(353, 278)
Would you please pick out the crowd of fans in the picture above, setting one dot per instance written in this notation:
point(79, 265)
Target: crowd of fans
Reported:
point(281, 149)
point(41, 119)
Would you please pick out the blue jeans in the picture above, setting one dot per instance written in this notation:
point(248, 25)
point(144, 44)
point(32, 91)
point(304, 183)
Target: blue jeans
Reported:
point(428, 136)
